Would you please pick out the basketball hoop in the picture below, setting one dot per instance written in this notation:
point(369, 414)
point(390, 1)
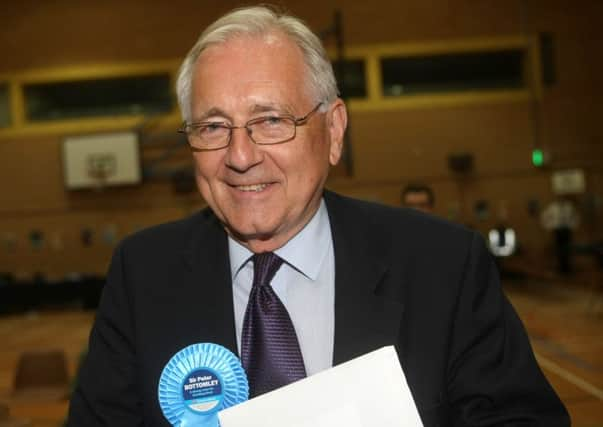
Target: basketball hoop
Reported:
point(100, 168)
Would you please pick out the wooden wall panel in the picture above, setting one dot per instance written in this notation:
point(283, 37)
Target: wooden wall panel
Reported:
point(390, 148)
point(63, 32)
point(406, 144)
point(30, 175)
point(63, 251)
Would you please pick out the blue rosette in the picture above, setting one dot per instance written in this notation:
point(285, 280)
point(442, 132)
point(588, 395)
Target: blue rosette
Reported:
point(199, 381)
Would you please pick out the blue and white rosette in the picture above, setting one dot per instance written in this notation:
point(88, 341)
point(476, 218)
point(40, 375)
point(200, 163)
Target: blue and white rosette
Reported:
point(199, 381)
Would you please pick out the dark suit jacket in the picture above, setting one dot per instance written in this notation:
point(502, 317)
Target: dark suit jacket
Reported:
point(401, 277)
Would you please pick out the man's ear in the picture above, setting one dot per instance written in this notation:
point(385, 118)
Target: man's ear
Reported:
point(337, 117)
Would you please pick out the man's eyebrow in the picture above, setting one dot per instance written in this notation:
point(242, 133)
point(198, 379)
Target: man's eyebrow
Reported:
point(212, 112)
point(254, 109)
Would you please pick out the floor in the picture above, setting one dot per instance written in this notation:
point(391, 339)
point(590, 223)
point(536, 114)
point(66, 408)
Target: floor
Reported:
point(565, 323)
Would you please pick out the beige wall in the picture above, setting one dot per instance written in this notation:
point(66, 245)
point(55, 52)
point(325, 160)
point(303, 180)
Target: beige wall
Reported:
point(390, 148)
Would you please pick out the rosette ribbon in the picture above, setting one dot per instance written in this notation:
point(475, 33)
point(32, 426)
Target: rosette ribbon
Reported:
point(198, 382)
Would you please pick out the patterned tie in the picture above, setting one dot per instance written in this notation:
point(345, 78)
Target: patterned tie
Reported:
point(269, 349)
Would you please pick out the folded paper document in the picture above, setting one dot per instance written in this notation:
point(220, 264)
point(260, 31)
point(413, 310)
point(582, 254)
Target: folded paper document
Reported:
point(368, 391)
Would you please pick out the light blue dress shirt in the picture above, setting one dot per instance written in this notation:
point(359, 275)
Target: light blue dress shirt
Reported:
point(305, 284)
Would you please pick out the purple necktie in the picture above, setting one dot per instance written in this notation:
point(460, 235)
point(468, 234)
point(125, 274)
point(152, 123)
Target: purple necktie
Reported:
point(269, 349)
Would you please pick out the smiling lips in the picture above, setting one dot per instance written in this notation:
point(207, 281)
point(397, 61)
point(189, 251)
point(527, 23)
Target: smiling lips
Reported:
point(254, 187)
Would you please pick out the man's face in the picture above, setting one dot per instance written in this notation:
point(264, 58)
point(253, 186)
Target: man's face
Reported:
point(263, 194)
point(418, 200)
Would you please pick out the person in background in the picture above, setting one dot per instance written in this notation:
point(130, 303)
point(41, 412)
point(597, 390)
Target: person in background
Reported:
point(418, 196)
point(294, 278)
point(561, 218)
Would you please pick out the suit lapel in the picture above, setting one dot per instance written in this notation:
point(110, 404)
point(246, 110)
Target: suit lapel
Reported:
point(209, 283)
point(364, 319)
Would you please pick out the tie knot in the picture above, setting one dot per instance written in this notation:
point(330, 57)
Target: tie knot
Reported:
point(265, 266)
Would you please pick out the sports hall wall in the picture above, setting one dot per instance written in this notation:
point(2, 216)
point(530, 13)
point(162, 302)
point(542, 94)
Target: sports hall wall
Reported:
point(49, 231)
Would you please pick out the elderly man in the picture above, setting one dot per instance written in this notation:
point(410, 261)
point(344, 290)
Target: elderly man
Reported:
point(342, 277)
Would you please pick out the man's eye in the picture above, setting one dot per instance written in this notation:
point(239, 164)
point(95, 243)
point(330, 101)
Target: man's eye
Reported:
point(211, 128)
point(273, 121)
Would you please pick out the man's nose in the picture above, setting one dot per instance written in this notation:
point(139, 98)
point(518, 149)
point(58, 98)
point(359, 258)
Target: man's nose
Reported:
point(242, 153)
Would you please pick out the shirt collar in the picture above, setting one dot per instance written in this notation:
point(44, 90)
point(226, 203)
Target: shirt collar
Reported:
point(305, 251)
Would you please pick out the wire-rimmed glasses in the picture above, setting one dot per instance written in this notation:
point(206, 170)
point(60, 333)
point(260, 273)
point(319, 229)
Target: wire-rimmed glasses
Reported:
point(265, 130)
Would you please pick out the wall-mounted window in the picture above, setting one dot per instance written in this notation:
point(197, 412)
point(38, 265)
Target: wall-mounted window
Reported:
point(5, 117)
point(351, 78)
point(454, 72)
point(376, 77)
point(98, 98)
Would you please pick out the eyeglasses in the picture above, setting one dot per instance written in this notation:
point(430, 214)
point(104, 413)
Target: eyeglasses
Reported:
point(266, 130)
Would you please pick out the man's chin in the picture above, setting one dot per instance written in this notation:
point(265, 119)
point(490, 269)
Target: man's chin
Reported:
point(256, 240)
point(245, 234)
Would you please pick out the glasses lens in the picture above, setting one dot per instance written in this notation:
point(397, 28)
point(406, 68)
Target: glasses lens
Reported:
point(209, 136)
point(272, 130)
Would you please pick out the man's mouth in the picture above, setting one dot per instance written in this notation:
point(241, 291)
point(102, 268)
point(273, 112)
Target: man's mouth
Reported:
point(254, 187)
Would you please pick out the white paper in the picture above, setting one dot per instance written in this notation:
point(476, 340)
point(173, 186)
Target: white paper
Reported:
point(368, 391)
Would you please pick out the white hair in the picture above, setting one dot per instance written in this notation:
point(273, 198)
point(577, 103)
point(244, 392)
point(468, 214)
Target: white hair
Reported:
point(257, 21)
